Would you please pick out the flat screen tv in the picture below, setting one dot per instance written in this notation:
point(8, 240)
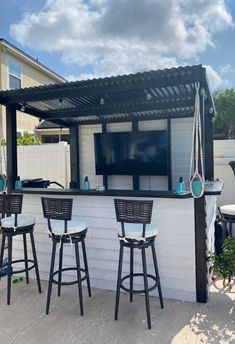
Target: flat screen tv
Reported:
point(131, 153)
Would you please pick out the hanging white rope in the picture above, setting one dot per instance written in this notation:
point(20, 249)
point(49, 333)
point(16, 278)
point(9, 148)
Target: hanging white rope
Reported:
point(196, 178)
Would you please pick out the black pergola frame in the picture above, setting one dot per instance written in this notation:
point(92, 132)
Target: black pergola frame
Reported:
point(120, 99)
point(161, 94)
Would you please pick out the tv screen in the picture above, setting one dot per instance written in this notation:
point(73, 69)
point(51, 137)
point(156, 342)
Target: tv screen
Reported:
point(131, 153)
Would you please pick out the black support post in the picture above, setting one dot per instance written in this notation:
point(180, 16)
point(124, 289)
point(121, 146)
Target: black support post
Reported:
point(169, 165)
point(200, 250)
point(74, 157)
point(135, 178)
point(105, 176)
point(11, 137)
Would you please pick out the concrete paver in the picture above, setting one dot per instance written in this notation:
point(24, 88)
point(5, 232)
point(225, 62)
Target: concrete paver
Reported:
point(25, 322)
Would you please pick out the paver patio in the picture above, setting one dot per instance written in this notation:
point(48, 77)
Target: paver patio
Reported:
point(25, 322)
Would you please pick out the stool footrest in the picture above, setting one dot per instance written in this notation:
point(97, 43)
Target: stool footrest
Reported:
point(20, 261)
point(71, 282)
point(139, 291)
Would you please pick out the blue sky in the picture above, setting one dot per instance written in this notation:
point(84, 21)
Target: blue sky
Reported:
point(81, 39)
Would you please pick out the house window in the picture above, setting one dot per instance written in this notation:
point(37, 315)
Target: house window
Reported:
point(14, 75)
point(54, 138)
point(50, 138)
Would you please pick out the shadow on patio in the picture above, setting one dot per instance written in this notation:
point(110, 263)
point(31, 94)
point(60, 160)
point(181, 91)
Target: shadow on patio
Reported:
point(25, 322)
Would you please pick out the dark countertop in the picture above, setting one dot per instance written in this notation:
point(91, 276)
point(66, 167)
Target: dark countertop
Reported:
point(214, 187)
point(211, 188)
point(116, 193)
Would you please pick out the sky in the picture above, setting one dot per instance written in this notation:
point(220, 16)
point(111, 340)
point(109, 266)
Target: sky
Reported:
point(81, 39)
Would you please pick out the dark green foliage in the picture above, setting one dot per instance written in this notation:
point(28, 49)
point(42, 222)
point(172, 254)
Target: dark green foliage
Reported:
point(225, 108)
point(224, 263)
point(25, 139)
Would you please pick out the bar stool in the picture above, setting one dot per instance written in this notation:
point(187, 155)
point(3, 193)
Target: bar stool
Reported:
point(136, 233)
point(63, 230)
point(228, 216)
point(13, 223)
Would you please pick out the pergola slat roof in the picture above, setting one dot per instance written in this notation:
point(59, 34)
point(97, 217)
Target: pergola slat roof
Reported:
point(142, 96)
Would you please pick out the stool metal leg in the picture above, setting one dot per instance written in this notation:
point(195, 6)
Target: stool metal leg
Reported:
point(86, 267)
point(157, 273)
point(119, 280)
point(146, 287)
point(26, 258)
point(35, 262)
point(51, 276)
point(79, 277)
point(60, 268)
point(230, 228)
point(226, 228)
point(9, 269)
point(131, 272)
point(2, 249)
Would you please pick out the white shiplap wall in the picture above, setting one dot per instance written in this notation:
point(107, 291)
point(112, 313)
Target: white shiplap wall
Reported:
point(175, 243)
point(181, 144)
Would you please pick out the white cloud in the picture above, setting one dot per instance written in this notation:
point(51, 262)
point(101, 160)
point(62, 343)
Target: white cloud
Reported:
point(226, 69)
point(215, 80)
point(116, 37)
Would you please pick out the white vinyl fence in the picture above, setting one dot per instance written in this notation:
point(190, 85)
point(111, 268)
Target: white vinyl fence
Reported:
point(47, 161)
point(52, 161)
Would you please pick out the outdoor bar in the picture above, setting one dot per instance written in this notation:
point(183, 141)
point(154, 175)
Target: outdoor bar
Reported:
point(157, 104)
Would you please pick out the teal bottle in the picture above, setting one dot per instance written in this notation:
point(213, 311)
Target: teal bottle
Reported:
point(18, 183)
point(86, 184)
point(180, 187)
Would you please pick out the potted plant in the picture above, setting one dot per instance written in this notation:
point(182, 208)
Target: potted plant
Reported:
point(224, 263)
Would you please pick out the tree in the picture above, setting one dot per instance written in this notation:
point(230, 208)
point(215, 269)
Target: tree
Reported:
point(25, 139)
point(225, 108)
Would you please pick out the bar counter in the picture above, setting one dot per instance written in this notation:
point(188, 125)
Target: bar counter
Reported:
point(174, 216)
point(211, 188)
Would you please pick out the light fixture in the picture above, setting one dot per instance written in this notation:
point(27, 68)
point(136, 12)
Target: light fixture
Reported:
point(22, 109)
point(149, 96)
point(60, 102)
point(102, 101)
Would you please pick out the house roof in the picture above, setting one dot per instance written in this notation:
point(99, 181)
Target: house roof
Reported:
point(34, 61)
point(48, 125)
point(167, 93)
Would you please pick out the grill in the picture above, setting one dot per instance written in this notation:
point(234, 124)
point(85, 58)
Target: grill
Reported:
point(39, 183)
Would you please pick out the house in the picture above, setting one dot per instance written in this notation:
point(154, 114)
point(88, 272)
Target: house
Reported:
point(19, 70)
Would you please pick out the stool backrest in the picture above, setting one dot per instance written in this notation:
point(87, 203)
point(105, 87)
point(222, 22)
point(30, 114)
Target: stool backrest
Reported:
point(133, 211)
point(57, 209)
point(11, 204)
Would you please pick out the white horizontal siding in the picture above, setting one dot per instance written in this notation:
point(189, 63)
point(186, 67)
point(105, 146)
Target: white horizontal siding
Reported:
point(175, 243)
point(181, 143)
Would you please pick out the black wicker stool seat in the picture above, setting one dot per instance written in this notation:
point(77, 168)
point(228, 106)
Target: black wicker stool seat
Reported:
point(13, 223)
point(228, 216)
point(136, 233)
point(63, 230)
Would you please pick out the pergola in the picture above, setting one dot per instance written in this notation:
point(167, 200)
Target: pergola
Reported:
point(161, 94)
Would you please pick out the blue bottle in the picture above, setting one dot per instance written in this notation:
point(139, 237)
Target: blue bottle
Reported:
point(86, 184)
point(18, 183)
point(180, 187)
